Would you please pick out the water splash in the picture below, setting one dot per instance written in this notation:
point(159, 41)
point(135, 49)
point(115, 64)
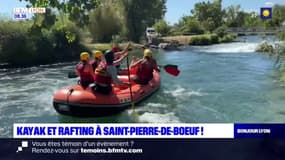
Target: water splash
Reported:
point(228, 48)
point(157, 105)
point(153, 113)
point(186, 93)
point(148, 117)
point(6, 77)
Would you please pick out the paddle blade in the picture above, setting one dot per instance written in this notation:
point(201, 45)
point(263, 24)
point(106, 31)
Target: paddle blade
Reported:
point(72, 75)
point(172, 69)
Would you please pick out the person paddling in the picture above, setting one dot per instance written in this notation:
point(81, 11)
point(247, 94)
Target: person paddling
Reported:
point(97, 55)
point(106, 73)
point(118, 54)
point(84, 70)
point(144, 68)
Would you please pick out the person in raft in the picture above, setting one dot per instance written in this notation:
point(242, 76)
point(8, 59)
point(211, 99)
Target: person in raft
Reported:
point(84, 70)
point(106, 73)
point(144, 68)
point(119, 53)
point(97, 55)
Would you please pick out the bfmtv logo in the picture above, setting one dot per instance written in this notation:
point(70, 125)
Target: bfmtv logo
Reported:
point(266, 13)
point(24, 144)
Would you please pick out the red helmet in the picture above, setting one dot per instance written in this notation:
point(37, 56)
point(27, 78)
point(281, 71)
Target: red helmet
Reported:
point(115, 49)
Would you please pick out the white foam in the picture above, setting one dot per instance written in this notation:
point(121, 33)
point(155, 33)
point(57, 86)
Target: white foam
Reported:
point(229, 48)
point(158, 105)
point(158, 118)
point(6, 78)
point(45, 99)
point(182, 92)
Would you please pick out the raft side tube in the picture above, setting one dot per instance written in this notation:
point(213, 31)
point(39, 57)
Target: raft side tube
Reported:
point(83, 102)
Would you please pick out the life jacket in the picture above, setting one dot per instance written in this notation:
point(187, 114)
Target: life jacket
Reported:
point(116, 58)
point(94, 63)
point(145, 70)
point(85, 75)
point(101, 75)
point(134, 70)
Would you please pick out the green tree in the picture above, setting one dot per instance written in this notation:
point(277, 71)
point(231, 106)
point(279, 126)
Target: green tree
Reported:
point(240, 19)
point(232, 14)
point(252, 20)
point(281, 36)
point(278, 16)
point(209, 14)
point(162, 27)
point(138, 14)
point(221, 31)
point(209, 24)
point(104, 23)
point(189, 25)
point(76, 9)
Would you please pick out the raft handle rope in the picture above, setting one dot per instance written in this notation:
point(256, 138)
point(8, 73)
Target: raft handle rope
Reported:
point(69, 93)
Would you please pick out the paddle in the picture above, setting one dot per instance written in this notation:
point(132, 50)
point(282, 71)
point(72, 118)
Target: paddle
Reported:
point(129, 76)
point(72, 74)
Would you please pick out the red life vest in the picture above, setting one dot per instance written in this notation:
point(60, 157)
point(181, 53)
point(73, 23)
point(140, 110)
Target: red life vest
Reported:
point(145, 70)
point(101, 75)
point(85, 75)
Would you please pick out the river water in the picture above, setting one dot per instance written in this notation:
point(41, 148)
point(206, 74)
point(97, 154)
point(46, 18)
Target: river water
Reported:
point(218, 83)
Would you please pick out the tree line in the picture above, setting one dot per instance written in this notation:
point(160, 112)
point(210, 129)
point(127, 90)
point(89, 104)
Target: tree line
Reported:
point(55, 35)
point(208, 17)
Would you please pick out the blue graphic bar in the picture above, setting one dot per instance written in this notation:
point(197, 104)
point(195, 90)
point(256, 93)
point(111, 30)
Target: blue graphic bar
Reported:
point(259, 130)
point(125, 149)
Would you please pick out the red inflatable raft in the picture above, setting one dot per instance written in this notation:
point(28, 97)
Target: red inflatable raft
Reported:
point(76, 101)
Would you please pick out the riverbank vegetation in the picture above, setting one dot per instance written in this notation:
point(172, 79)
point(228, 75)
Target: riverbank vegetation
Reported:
point(281, 35)
point(207, 39)
point(57, 35)
point(60, 33)
point(281, 59)
point(125, 19)
point(277, 51)
point(265, 47)
point(23, 44)
point(209, 17)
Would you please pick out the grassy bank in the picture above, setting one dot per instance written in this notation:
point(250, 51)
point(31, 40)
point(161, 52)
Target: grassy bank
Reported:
point(182, 39)
point(208, 39)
